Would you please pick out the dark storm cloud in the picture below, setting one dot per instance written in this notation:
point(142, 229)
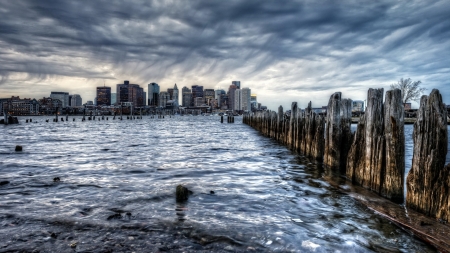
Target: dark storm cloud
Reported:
point(332, 44)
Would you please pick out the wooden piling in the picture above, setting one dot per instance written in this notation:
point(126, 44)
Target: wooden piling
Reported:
point(393, 176)
point(376, 157)
point(428, 181)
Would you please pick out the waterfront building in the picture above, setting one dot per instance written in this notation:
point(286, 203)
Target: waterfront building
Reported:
point(217, 95)
point(186, 97)
point(209, 95)
point(62, 96)
point(133, 93)
point(245, 100)
point(164, 97)
point(237, 83)
point(103, 96)
point(253, 102)
point(20, 107)
point(3, 100)
point(76, 100)
point(153, 94)
point(199, 101)
point(113, 98)
point(237, 100)
point(224, 102)
point(49, 105)
point(175, 95)
point(231, 99)
point(197, 92)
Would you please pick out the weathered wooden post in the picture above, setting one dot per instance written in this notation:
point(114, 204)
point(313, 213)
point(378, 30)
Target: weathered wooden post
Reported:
point(428, 181)
point(338, 132)
point(394, 174)
point(376, 157)
point(280, 123)
point(292, 121)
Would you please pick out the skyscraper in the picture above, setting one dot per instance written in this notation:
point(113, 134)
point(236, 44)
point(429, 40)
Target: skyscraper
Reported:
point(209, 95)
point(246, 99)
point(127, 92)
point(237, 83)
point(113, 98)
point(237, 100)
point(103, 95)
point(197, 92)
point(175, 95)
point(218, 97)
point(153, 94)
point(231, 94)
point(186, 97)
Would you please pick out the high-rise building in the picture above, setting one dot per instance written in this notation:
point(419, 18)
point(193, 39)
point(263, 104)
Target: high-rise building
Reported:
point(153, 94)
point(209, 95)
point(186, 97)
point(127, 92)
point(217, 96)
point(175, 95)
point(62, 96)
point(231, 98)
point(246, 100)
point(237, 100)
point(254, 102)
point(237, 83)
point(164, 97)
point(76, 100)
point(103, 96)
point(113, 98)
point(197, 92)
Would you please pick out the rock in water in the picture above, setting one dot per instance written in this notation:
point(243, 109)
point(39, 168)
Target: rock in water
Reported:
point(18, 148)
point(182, 193)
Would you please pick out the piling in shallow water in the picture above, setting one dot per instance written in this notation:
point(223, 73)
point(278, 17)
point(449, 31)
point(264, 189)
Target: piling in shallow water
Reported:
point(428, 181)
point(376, 157)
point(338, 135)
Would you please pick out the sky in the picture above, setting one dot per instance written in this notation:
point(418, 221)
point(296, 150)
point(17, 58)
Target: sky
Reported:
point(284, 51)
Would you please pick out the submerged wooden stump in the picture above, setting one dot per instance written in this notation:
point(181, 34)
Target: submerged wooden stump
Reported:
point(428, 181)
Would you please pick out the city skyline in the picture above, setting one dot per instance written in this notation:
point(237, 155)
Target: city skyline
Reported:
point(299, 51)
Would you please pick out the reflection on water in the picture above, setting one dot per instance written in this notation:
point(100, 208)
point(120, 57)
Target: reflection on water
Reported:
point(117, 192)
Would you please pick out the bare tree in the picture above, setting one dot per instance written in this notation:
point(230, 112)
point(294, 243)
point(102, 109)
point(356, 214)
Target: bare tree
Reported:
point(410, 90)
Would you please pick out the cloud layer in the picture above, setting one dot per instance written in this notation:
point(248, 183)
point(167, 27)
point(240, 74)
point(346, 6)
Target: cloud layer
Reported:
point(290, 51)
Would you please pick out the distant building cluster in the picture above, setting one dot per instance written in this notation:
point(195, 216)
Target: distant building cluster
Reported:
point(235, 99)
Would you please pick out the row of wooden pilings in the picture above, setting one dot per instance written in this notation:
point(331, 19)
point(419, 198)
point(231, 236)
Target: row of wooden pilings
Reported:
point(374, 155)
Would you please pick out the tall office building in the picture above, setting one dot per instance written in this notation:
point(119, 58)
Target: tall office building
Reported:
point(237, 100)
point(127, 92)
point(186, 97)
point(62, 96)
point(246, 99)
point(103, 96)
point(113, 98)
point(164, 97)
point(153, 94)
point(209, 95)
point(175, 95)
point(253, 101)
point(76, 100)
point(237, 83)
point(231, 98)
point(218, 96)
point(197, 92)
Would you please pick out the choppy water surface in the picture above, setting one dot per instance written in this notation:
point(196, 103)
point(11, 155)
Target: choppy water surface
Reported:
point(117, 192)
